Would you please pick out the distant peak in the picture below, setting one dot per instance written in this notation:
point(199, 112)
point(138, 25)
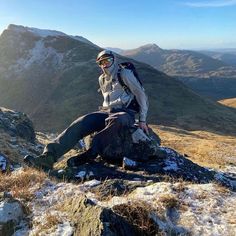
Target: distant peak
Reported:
point(152, 46)
point(35, 31)
point(45, 33)
point(15, 27)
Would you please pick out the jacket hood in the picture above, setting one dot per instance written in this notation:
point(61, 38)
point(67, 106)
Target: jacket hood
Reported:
point(112, 70)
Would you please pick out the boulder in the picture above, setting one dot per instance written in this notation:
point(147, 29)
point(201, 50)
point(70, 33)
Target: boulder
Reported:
point(91, 219)
point(17, 124)
point(154, 162)
point(11, 213)
point(132, 143)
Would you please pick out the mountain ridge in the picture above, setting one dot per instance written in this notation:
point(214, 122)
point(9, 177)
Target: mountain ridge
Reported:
point(211, 74)
point(179, 63)
point(45, 32)
point(53, 80)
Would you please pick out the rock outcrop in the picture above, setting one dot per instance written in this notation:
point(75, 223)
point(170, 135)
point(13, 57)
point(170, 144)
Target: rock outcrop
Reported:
point(18, 138)
point(16, 124)
point(91, 219)
point(156, 166)
point(151, 162)
point(11, 213)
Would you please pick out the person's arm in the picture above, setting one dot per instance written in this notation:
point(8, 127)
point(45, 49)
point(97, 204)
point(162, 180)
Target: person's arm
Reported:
point(139, 93)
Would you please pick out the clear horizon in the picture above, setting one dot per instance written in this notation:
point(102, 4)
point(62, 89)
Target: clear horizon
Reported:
point(171, 24)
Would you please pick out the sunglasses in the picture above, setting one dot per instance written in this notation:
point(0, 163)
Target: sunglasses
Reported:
point(105, 62)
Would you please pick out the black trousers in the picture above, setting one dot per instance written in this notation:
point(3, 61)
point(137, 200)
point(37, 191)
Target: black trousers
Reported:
point(106, 124)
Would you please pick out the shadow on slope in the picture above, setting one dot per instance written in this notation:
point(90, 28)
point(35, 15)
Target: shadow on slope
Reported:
point(171, 164)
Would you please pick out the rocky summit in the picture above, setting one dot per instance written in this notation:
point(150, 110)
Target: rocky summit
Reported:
point(164, 192)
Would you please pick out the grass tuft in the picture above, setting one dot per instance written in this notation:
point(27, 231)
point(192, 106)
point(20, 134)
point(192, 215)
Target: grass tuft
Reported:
point(169, 201)
point(22, 184)
point(137, 213)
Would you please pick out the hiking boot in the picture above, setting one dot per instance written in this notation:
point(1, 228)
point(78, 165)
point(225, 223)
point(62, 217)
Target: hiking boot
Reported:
point(63, 174)
point(81, 158)
point(44, 161)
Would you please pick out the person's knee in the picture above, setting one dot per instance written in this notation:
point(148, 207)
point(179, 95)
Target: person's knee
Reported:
point(121, 119)
point(83, 120)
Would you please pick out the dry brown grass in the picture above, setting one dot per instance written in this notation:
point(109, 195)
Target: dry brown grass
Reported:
point(180, 187)
point(169, 201)
point(232, 221)
point(137, 213)
point(205, 148)
point(51, 221)
point(108, 189)
point(222, 189)
point(49, 224)
point(23, 184)
point(231, 102)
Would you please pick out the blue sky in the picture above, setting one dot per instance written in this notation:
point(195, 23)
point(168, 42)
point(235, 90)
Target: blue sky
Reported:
point(131, 23)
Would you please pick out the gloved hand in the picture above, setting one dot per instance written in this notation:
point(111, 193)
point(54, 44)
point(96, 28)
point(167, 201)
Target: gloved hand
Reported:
point(144, 127)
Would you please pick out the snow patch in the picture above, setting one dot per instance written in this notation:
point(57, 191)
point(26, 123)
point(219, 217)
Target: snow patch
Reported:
point(204, 208)
point(92, 183)
point(171, 165)
point(46, 33)
point(80, 174)
point(171, 160)
point(50, 195)
point(35, 31)
point(64, 229)
point(38, 54)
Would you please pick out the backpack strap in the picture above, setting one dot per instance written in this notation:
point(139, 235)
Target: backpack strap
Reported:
point(133, 105)
point(124, 86)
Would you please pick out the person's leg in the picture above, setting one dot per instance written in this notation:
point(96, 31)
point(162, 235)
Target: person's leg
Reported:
point(80, 128)
point(115, 125)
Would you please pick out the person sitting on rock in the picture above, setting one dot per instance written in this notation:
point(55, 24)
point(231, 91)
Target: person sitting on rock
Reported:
point(116, 114)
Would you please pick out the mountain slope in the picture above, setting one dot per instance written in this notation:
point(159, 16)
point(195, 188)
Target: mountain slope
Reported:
point(227, 56)
point(53, 78)
point(182, 63)
point(211, 77)
point(231, 102)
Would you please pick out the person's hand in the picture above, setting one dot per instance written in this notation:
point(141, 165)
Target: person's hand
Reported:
point(144, 127)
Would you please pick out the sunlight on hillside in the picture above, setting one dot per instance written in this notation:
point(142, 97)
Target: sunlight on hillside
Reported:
point(231, 102)
point(205, 148)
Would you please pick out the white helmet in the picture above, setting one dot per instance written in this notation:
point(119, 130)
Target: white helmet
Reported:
point(104, 55)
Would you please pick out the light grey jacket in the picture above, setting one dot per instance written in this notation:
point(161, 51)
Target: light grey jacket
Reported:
point(116, 97)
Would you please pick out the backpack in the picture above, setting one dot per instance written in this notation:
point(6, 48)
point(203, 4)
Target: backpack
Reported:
point(130, 66)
